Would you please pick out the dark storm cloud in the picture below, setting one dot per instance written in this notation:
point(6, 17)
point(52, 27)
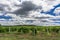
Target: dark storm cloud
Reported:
point(44, 21)
point(26, 7)
point(42, 17)
point(2, 7)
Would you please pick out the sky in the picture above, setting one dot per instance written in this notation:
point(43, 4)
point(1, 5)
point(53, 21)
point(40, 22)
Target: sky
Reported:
point(35, 12)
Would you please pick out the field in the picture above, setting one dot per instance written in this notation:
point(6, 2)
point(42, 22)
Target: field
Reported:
point(29, 32)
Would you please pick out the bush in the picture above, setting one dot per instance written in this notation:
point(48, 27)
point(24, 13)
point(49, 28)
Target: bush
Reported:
point(34, 31)
point(23, 30)
point(13, 29)
point(6, 29)
point(56, 30)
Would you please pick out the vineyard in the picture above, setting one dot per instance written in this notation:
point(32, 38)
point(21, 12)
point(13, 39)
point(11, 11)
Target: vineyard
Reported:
point(49, 32)
point(29, 29)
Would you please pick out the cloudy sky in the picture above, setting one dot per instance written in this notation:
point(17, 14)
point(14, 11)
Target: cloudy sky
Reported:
point(36, 12)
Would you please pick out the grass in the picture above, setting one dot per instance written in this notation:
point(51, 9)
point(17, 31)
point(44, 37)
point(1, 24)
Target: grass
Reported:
point(27, 37)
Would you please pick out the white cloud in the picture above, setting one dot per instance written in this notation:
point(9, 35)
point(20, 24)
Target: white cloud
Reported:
point(36, 17)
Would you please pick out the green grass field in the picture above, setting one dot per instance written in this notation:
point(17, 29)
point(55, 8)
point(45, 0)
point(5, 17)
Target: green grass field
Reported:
point(29, 32)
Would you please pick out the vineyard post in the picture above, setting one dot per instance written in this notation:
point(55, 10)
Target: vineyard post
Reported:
point(9, 29)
